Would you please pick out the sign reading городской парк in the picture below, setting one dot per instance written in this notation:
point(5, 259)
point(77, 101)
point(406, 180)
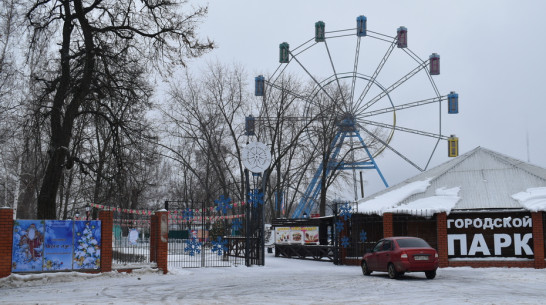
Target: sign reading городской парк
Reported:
point(490, 236)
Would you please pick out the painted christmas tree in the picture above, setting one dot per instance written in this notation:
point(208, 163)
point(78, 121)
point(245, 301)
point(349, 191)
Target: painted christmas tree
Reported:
point(87, 249)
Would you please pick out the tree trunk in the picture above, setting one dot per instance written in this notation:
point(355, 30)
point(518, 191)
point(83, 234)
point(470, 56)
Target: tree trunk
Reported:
point(323, 189)
point(50, 185)
point(64, 111)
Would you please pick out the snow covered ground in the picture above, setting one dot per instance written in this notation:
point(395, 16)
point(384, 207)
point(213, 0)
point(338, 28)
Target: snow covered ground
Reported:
point(281, 281)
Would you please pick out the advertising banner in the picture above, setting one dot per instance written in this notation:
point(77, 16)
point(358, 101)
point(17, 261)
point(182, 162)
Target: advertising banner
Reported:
point(58, 245)
point(490, 236)
point(297, 235)
point(55, 245)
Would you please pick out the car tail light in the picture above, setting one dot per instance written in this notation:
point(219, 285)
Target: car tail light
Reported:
point(436, 255)
point(404, 255)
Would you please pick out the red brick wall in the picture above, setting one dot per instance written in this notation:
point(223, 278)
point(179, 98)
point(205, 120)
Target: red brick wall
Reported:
point(441, 227)
point(388, 228)
point(441, 224)
point(107, 227)
point(159, 240)
point(538, 240)
point(6, 241)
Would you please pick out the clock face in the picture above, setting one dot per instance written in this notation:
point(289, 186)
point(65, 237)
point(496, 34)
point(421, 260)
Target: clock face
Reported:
point(256, 157)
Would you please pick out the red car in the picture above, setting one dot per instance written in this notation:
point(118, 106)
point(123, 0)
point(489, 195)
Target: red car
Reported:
point(398, 255)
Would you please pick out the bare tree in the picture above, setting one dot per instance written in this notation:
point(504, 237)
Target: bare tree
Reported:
point(98, 38)
point(11, 93)
point(282, 124)
point(206, 116)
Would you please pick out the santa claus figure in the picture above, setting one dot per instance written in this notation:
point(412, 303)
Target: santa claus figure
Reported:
point(33, 240)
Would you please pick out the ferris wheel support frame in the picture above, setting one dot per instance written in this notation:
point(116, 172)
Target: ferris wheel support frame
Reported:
point(346, 129)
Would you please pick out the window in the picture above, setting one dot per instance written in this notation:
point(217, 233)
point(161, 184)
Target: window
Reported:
point(377, 247)
point(412, 243)
point(387, 245)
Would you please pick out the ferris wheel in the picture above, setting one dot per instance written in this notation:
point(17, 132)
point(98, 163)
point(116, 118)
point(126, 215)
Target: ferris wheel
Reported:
point(380, 94)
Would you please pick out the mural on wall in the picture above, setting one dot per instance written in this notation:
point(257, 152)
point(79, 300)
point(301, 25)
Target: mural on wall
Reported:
point(54, 245)
point(27, 250)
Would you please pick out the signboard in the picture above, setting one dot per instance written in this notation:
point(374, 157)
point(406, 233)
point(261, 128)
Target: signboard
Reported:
point(490, 236)
point(58, 245)
point(297, 235)
point(53, 245)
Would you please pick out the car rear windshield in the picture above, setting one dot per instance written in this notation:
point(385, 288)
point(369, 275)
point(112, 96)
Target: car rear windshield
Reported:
point(412, 243)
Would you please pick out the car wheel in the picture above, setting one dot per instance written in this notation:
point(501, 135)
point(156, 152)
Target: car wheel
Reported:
point(430, 274)
point(392, 271)
point(365, 269)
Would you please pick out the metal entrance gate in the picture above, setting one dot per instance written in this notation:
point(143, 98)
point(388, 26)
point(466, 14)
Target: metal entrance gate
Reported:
point(217, 236)
point(131, 238)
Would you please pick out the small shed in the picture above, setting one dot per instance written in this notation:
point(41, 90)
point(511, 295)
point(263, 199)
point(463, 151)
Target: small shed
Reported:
point(482, 208)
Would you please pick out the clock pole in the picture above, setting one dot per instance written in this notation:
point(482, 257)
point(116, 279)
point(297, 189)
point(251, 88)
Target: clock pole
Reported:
point(247, 218)
point(256, 158)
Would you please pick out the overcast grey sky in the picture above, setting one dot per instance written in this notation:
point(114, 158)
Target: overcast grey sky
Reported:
point(492, 54)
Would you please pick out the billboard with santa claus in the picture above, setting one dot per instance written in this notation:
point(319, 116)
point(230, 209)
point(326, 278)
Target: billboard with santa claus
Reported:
point(55, 245)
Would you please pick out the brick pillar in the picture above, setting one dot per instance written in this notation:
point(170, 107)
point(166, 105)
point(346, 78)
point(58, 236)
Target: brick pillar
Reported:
point(6, 241)
point(107, 229)
point(388, 228)
point(538, 240)
point(161, 239)
point(441, 231)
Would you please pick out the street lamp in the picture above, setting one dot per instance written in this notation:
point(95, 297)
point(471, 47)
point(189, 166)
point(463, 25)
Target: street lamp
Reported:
point(87, 208)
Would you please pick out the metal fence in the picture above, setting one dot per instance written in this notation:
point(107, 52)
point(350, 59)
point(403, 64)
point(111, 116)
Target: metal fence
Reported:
point(208, 237)
point(131, 238)
point(363, 232)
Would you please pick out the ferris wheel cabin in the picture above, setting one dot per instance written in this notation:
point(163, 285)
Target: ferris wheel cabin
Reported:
point(402, 37)
point(361, 26)
point(284, 50)
point(434, 64)
point(452, 103)
point(453, 146)
point(250, 125)
point(319, 31)
point(259, 85)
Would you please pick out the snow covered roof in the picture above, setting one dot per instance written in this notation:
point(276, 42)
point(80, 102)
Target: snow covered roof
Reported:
point(477, 180)
point(533, 199)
